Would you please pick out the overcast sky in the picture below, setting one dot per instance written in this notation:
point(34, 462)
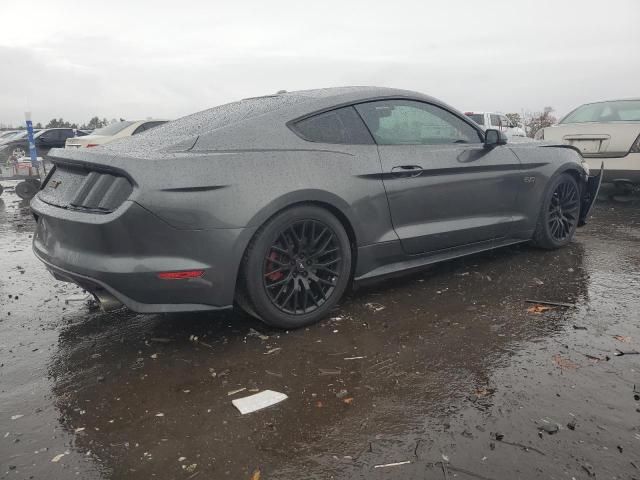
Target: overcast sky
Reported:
point(139, 58)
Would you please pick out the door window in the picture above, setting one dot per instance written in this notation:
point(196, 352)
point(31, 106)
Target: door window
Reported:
point(342, 126)
point(49, 137)
point(495, 121)
point(406, 122)
point(64, 134)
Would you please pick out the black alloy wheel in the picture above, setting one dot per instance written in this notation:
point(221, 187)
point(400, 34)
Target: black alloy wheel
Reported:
point(564, 209)
point(296, 268)
point(302, 267)
point(559, 214)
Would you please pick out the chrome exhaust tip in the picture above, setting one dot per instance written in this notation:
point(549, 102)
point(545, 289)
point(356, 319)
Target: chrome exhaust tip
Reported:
point(107, 302)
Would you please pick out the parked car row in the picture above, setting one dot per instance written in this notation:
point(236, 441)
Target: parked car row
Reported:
point(15, 144)
point(113, 132)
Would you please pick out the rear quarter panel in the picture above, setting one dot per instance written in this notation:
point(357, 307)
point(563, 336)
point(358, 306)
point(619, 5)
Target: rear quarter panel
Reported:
point(236, 189)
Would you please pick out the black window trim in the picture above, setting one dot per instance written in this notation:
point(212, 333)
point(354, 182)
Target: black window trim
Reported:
point(291, 123)
point(139, 129)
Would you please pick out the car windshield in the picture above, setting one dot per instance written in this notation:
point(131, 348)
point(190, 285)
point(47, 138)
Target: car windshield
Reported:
point(618, 111)
point(113, 128)
point(476, 117)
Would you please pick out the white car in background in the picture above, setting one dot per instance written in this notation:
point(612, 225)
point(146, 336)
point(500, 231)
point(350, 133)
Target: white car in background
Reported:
point(497, 121)
point(113, 132)
point(606, 132)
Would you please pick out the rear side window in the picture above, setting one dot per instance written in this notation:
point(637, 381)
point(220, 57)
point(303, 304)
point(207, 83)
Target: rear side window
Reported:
point(343, 126)
point(146, 126)
point(495, 120)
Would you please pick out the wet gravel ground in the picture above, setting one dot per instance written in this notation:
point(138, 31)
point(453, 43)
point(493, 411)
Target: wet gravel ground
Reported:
point(448, 373)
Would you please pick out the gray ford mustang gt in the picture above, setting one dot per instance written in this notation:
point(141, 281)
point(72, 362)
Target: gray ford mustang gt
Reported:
point(279, 203)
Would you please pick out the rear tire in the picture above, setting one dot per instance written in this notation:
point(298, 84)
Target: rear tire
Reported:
point(296, 268)
point(559, 214)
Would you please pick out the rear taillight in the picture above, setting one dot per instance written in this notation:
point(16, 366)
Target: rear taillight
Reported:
point(635, 147)
point(89, 145)
point(183, 275)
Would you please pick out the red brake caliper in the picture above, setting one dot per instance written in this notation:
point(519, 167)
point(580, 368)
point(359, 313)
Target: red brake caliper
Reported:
point(275, 276)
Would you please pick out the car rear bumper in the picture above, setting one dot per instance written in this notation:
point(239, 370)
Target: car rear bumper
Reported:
point(625, 168)
point(121, 253)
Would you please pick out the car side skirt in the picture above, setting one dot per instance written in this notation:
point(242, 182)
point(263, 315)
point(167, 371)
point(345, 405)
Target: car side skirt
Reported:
point(388, 260)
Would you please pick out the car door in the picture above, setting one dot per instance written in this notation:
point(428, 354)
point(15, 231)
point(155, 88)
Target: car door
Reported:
point(62, 137)
point(46, 141)
point(444, 188)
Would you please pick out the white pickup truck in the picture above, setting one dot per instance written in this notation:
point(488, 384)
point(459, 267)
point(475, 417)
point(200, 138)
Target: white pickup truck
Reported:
point(498, 121)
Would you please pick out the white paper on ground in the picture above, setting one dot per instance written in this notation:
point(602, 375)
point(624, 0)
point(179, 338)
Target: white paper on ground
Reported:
point(258, 401)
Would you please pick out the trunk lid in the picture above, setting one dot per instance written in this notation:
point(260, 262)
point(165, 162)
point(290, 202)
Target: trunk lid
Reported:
point(596, 139)
point(80, 142)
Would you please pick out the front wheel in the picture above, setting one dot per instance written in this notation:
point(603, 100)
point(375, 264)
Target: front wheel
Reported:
point(296, 268)
point(559, 214)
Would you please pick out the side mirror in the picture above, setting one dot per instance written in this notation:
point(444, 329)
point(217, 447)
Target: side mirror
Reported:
point(493, 138)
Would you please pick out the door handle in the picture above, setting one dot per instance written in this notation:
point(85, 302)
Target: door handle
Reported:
point(407, 171)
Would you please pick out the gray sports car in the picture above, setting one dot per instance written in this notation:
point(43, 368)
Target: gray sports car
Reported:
point(279, 203)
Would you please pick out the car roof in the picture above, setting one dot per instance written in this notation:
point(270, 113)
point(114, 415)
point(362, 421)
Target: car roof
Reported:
point(473, 112)
point(261, 112)
point(333, 96)
point(613, 100)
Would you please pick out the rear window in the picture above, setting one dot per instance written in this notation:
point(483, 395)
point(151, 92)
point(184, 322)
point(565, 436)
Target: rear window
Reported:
point(476, 117)
point(113, 128)
point(618, 111)
point(343, 126)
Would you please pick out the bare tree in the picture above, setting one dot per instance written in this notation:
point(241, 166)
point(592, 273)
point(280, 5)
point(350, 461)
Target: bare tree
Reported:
point(539, 120)
point(515, 119)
